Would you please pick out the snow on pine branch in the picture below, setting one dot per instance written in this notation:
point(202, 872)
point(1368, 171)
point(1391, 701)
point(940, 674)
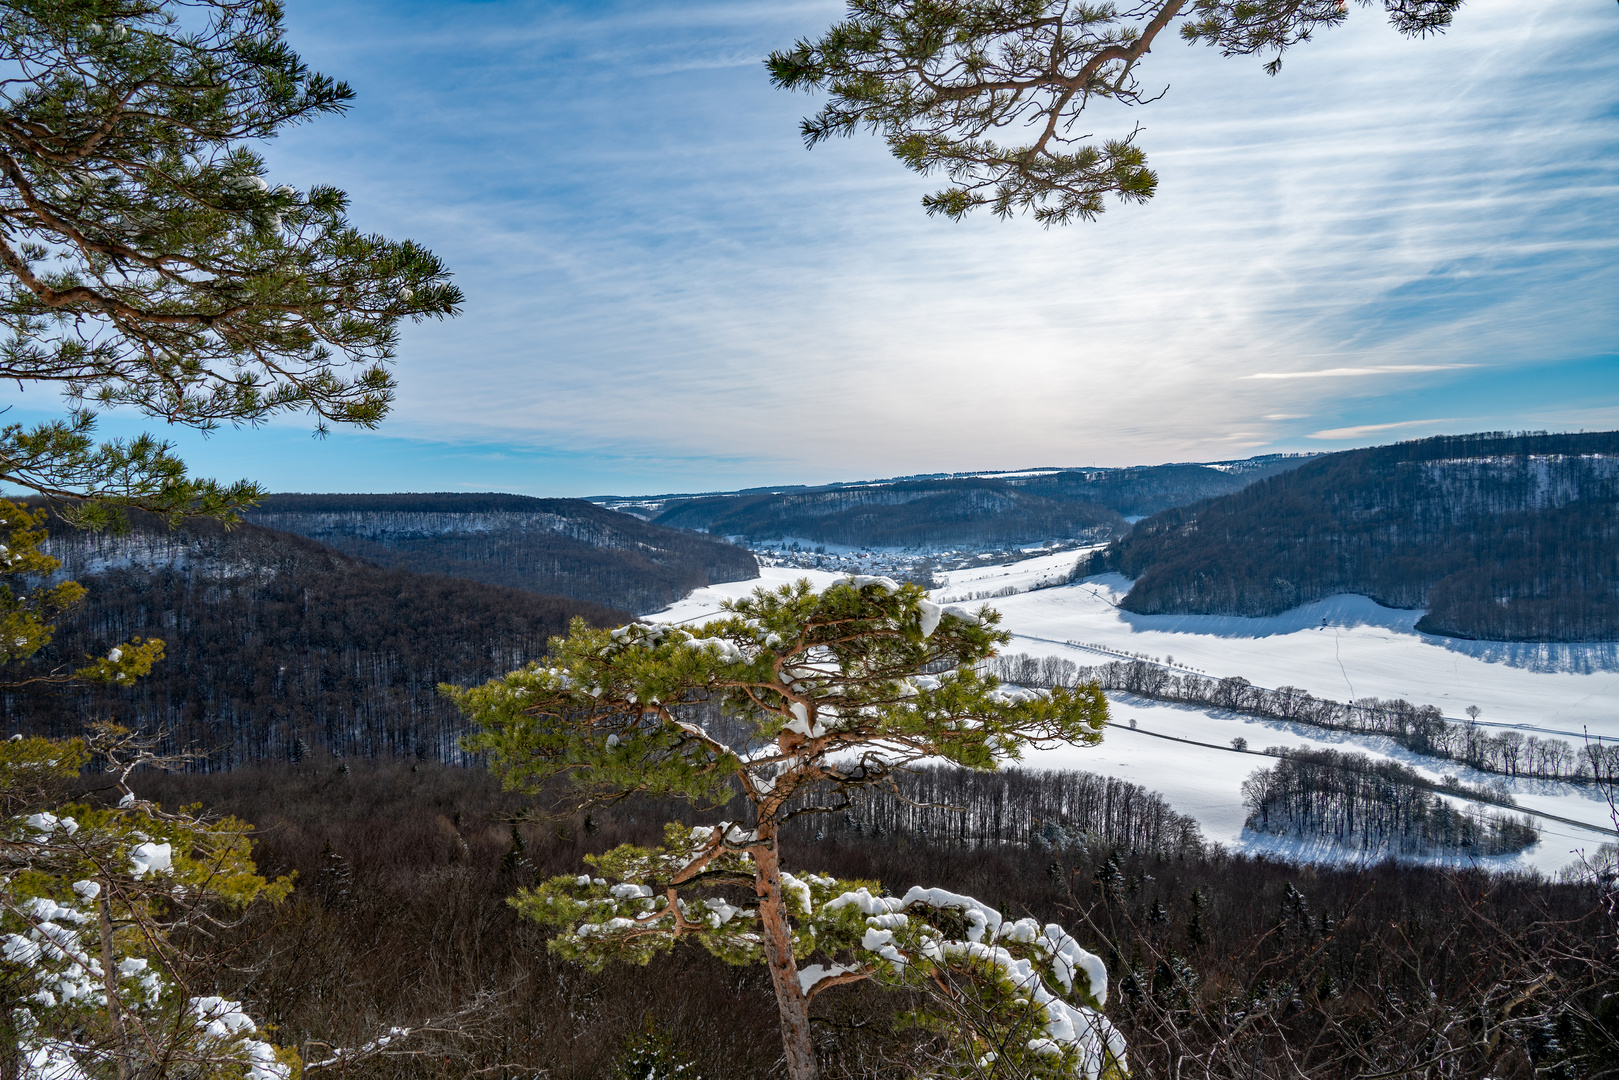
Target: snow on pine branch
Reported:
point(1034, 982)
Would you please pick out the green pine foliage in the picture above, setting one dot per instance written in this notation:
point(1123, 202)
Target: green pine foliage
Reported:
point(99, 968)
point(814, 673)
point(1024, 998)
point(147, 262)
point(651, 1055)
point(957, 86)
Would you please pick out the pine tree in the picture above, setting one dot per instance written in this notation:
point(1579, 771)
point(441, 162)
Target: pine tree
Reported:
point(942, 80)
point(1196, 933)
point(516, 860)
point(824, 694)
point(147, 262)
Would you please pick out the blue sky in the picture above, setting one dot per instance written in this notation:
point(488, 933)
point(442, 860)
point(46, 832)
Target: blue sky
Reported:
point(667, 292)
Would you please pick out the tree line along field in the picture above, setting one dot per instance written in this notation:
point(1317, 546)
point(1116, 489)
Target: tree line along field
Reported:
point(1221, 965)
point(1422, 728)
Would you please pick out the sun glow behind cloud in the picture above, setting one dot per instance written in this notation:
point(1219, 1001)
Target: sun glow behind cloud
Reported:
point(667, 291)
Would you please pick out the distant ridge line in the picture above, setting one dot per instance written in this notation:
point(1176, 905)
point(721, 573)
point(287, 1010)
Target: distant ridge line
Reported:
point(444, 502)
point(974, 474)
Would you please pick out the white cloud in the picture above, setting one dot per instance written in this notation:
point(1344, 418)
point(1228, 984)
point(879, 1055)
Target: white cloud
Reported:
point(1352, 372)
point(1362, 430)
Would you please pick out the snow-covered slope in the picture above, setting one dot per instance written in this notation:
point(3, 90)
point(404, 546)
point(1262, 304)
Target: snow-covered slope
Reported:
point(1024, 575)
point(1343, 647)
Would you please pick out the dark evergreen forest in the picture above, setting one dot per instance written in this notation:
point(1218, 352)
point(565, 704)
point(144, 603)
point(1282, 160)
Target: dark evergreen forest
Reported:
point(1500, 537)
point(277, 646)
point(560, 547)
point(965, 511)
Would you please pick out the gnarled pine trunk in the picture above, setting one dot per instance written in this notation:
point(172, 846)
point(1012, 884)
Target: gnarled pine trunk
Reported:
point(777, 936)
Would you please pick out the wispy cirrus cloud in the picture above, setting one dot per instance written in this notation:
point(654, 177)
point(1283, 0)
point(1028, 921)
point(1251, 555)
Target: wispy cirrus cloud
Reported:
point(1357, 372)
point(1360, 431)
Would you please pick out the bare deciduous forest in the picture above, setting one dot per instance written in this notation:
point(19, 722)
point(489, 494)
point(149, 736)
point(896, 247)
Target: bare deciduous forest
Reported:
point(1222, 966)
point(906, 514)
point(1070, 503)
point(277, 646)
point(1362, 803)
point(559, 547)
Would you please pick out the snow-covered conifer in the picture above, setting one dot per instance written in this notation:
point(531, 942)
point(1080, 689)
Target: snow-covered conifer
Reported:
point(88, 895)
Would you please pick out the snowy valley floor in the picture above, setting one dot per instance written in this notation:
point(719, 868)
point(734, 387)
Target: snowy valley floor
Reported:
point(1343, 647)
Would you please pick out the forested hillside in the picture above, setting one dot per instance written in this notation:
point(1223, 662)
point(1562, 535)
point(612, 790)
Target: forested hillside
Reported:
point(1148, 489)
point(277, 645)
point(964, 511)
point(562, 547)
point(915, 514)
point(1500, 537)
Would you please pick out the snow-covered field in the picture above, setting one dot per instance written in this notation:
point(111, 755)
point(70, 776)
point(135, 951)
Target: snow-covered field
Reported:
point(1343, 647)
point(1206, 783)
